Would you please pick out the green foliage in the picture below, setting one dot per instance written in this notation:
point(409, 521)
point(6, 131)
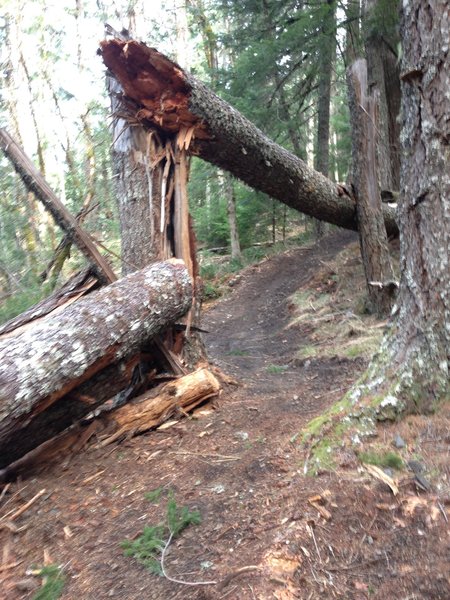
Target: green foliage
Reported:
point(179, 518)
point(276, 369)
point(146, 548)
point(384, 459)
point(54, 581)
point(384, 21)
point(18, 303)
point(211, 291)
point(155, 495)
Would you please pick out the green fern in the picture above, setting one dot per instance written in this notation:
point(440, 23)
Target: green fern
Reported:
point(54, 581)
point(147, 548)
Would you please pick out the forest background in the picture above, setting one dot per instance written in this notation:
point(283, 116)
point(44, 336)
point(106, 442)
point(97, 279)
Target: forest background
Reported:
point(280, 62)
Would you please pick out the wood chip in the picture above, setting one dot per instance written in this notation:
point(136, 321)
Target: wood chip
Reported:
point(321, 510)
point(25, 506)
point(381, 476)
point(167, 425)
point(88, 479)
point(67, 532)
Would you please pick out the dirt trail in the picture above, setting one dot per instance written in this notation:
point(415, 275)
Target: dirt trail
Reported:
point(239, 466)
point(248, 336)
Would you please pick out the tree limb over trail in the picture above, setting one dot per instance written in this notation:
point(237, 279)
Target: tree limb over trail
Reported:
point(166, 97)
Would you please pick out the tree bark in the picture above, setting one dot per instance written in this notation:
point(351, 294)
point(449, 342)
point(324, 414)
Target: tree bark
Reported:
point(138, 187)
point(168, 98)
point(326, 51)
point(372, 233)
point(411, 371)
point(228, 185)
point(383, 68)
point(50, 358)
point(152, 409)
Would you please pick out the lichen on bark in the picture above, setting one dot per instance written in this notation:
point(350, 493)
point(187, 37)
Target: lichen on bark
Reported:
point(410, 373)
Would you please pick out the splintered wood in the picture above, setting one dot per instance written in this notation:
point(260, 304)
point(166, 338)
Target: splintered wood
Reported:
point(149, 411)
point(41, 366)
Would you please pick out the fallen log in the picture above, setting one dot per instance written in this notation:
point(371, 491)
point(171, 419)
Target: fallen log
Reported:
point(77, 286)
point(55, 355)
point(146, 412)
point(164, 96)
point(153, 408)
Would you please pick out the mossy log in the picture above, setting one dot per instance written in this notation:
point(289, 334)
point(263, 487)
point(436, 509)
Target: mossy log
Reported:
point(55, 355)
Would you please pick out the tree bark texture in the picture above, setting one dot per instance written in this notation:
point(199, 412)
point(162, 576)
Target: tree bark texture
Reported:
point(372, 233)
point(151, 174)
point(152, 409)
point(228, 187)
point(36, 183)
point(50, 358)
point(413, 363)
point(170, 99)
point(138, 188)
point(326, 52)
point(384, 79)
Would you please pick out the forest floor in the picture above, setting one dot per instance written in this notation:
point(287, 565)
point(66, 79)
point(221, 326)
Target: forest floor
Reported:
point(293, 333)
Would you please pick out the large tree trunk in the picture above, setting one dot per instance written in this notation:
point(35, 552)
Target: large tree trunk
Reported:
point(372, 233)
point(170, 99)
point(138, 186)
point(384, 80)
point(326, 51)
point(420, 341)
point(49, 358)
point(411, 371)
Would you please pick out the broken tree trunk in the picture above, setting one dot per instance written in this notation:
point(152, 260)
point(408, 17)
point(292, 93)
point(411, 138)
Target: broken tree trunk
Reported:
point(372, 233)
point(35, 182)
point(53, 356)
point(162, 95)
point(153, 408)
point(146, 412)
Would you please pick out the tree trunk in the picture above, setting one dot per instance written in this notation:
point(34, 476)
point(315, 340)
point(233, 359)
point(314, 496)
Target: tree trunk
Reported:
point(169, 99)
point(384, 80)
point(372, 233)
point(151, 173)
point(413, 363)
point(152, 409)
point(146, 412)
point(232, 218)
point(53, 356)
point(326, 51)
point(138, 187)
point(353, 44)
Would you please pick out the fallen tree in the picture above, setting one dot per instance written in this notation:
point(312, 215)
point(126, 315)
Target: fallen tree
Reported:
point(152, 408)
point(52, 357)
point(160, 94)
point(145, 412)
